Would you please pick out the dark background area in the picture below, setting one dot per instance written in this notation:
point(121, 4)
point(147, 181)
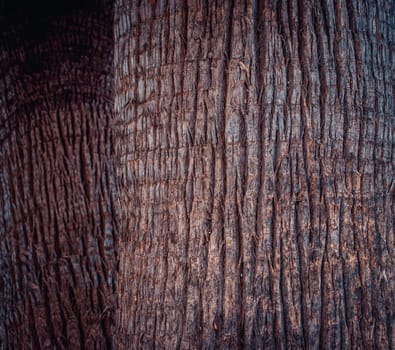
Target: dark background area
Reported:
point(32, 19)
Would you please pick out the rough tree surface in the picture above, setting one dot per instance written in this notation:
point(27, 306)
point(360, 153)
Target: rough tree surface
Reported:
point(257, 157)
point(56, 178)
point(198, 175)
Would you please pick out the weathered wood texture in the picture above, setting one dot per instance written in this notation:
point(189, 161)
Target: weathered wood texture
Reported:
point(250, 151)
point(57, 181)
point(256, 170)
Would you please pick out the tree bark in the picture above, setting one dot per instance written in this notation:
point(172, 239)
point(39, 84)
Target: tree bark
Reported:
point(57, 181)
point(197, 175)
point(256, 171)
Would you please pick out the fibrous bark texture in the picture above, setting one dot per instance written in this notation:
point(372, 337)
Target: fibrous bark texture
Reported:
point(255, 160)
point(57, 254)
point(197, 174)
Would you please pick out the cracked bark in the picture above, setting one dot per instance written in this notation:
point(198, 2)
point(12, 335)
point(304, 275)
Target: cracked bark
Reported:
point(226, 168)
point(255, 150)
point(56, 179)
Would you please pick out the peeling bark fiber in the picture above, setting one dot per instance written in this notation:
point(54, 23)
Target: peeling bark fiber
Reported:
point(197, 174)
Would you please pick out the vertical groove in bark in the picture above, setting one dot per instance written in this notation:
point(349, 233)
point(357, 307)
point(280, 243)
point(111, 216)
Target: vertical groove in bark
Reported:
point(57, 183)
point(255, 162)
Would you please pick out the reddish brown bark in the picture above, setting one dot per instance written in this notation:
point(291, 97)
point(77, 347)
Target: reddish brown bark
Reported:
point(256, 156)
point(235, 158)
point(56, 179)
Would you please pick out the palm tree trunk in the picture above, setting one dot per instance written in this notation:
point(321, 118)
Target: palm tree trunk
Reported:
point(238, 192)
point(256, 170)
point(57, 180)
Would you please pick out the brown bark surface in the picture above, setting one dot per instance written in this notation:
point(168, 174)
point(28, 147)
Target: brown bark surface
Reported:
point(224, 169)
point(256, 172)
point(57, 181)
